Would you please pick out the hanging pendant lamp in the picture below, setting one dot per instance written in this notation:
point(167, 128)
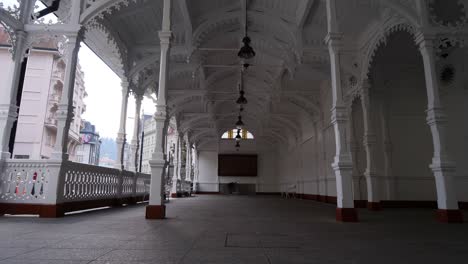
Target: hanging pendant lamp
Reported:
point(238, 137)
point(241, 100)
point(246, 51)
point(239, 123)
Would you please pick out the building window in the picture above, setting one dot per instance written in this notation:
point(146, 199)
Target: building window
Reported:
point(231, 134)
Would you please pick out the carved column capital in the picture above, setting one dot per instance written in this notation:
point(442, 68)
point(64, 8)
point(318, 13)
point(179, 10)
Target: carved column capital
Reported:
point(435, 116)
point(339, 114)
point(165, 37)
point(334, 41)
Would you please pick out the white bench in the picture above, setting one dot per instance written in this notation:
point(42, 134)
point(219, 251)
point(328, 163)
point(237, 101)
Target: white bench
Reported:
point(289, 191)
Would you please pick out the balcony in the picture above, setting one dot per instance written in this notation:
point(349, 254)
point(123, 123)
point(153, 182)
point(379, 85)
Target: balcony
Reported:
point(51, 122)
point(51, 188)
point(58, 75)
point(54, 99)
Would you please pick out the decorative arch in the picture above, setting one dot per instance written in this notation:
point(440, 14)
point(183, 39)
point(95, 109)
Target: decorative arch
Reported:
point(403, 10)
point(97, 8)
point(379, 40)
point(8, 20)
point(11, 35)
point(114, 44)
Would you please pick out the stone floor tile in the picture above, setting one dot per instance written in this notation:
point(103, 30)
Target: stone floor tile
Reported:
point(20, 260)
point(65, 254)
point(226, 256)
point(261, 229)
point(155, 255)
point(11, 252)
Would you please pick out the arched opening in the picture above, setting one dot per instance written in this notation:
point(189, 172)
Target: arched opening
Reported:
point(231, 134)
point(398, 76)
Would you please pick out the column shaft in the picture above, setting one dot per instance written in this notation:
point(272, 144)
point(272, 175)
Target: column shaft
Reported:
point(342, 164)
point(156, 208)
point(370, 142)
point(387, 151)
point(121, 135)
point(136, 132)
point(442, 165)
point(174, 188)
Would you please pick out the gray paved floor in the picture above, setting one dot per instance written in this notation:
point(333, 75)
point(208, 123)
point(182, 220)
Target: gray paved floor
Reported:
point(223, 229)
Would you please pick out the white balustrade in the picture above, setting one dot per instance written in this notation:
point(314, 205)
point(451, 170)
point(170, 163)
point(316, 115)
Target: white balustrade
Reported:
point(128, 182)
point(26, 181)
point(86, 182)
point(142, 184)
point(49, 182)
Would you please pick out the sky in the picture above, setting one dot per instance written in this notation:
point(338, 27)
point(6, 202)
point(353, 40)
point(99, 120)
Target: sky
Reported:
point(104, 99)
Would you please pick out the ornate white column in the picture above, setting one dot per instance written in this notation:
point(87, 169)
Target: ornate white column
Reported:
point(188, 156)
point(136, 132)
point(8, 107)
point(179, 155)
point(156, 208)
point(121, 135)
point(342, 165)
point(195, 170)
point(370, 144)
point(65, 108)
point(387, 150)
point(176, 163)
point(442, 165)
point(354, 148)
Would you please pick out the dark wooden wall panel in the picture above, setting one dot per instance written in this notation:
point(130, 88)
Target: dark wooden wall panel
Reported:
point(237, 165)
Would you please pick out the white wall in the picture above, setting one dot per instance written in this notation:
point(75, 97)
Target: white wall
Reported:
point(208, 171)
point(267, 169)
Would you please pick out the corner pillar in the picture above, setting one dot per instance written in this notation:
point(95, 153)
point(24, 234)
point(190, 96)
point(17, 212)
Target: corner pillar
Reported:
point(370, 142)
point(156, 208)
point(443, 167)
point(342, 165)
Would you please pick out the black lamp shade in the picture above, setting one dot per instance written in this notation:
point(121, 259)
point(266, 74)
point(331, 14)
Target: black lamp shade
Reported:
point(239, 123)
point(246, 52)
point(241, 100)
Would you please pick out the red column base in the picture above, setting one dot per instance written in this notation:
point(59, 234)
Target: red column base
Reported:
point(346, 215)
point(449, 216)
point(51, 211)
point(173, 195)
point(374, 206)
point(155, 212)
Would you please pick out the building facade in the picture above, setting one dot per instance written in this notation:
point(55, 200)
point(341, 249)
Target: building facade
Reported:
point(42, 91)
point(149, 141)
point(88, 152)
